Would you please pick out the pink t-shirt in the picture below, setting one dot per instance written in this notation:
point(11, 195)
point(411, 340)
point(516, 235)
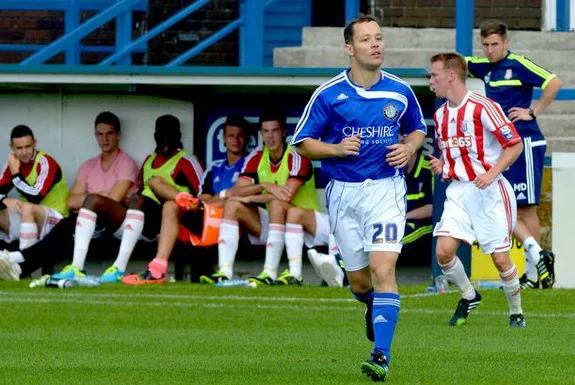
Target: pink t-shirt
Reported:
point(97, 180)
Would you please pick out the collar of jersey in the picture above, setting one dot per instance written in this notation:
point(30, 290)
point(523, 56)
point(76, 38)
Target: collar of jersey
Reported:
point(462, 101)
point(356, 86)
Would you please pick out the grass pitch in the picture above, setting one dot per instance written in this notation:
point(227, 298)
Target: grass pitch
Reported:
point(191, 334)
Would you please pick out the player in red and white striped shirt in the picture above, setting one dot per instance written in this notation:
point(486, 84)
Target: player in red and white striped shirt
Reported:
point(477, 144)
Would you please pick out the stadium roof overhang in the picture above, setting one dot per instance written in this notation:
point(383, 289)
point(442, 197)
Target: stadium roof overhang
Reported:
point(13, 75)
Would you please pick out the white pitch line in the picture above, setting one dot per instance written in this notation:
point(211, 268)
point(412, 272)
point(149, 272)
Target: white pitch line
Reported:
point(74, 299)
point(173, 304)
point(57, 293)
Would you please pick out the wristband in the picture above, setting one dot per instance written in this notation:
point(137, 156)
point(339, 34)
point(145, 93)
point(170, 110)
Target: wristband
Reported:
point(223, 194)
point(532, 114)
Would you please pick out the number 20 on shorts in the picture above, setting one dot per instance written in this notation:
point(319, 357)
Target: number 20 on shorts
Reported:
point(389, 232)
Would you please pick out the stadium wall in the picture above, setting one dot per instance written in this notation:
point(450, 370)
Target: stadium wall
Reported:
point(526, 14)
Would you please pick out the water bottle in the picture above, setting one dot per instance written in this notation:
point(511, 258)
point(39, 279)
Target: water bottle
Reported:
point(233, 283)
point(60, 283)
point(488, 284)
point(39, 281)
point(441, 284)
point(87, 280)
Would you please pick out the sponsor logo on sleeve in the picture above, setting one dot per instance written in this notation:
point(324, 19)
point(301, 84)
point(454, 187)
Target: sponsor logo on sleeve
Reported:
point(506, 132)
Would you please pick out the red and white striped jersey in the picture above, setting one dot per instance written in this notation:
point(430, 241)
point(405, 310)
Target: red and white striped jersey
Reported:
point(472, 136)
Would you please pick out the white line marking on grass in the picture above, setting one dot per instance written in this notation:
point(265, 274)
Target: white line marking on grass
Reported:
point(173, 304)
point(73, 298)
point(52, 294)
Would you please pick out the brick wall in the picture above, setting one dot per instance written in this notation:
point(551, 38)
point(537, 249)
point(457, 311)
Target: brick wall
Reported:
point(196, 27)
point(522, 14)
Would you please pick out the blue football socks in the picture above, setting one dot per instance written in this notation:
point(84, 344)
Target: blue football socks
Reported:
point(385, 313)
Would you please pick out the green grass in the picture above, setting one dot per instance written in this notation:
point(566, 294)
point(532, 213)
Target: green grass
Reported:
point(192, 334)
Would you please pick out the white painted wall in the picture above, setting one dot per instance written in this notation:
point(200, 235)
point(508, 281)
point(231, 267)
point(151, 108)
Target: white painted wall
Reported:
point(562, 226)
point(64, 124)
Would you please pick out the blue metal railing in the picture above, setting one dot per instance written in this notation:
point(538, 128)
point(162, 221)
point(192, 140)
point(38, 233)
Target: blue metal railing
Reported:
point(155, 31)
point(249, 23)
point(71, 39)
point(72, 10)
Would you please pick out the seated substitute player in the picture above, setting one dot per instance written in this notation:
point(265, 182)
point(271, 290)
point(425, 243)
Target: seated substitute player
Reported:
point(509, 80)
point(165, 173)
point(277, 176)
point(478, 142)
point(41, 185)
point(179, 221)
point(111, 174)
point(352, 123)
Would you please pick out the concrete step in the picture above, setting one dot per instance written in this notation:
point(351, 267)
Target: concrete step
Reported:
point(320, 56)
point(566, 144)
point(557, 125)
point(558, 107)
point(443, 38)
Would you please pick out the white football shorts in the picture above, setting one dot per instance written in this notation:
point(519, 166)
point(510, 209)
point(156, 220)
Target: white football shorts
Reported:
point(487, 215)
point(365, 217)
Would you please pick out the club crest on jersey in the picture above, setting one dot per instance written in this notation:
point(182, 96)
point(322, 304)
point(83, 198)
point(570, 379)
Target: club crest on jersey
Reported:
point(464, 126)
point(508, 74)
point(505, 131)
point(487, 78)
point(390, 111)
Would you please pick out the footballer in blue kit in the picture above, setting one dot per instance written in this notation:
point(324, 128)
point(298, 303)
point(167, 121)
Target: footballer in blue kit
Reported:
point(509, 80)
point(221, 176)
point(341, 109)
point(353, 123)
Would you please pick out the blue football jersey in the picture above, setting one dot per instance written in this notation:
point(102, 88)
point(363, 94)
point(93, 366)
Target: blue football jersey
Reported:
point(221, 176)
point(339, 108)
point(510, 83)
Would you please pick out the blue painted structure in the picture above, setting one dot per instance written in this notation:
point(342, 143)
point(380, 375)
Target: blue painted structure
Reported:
point(263, 25)
point(351, 9)
point(72, 10)
point(283, 23)
point(70, 40)
point(464, 20)
point(562, 15)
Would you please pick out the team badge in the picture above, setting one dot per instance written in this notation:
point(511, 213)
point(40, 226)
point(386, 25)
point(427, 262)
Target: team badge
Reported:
point(487, 78)
point(508, 74)
point(506, 133)
point(464, 126)
point(390, 111)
